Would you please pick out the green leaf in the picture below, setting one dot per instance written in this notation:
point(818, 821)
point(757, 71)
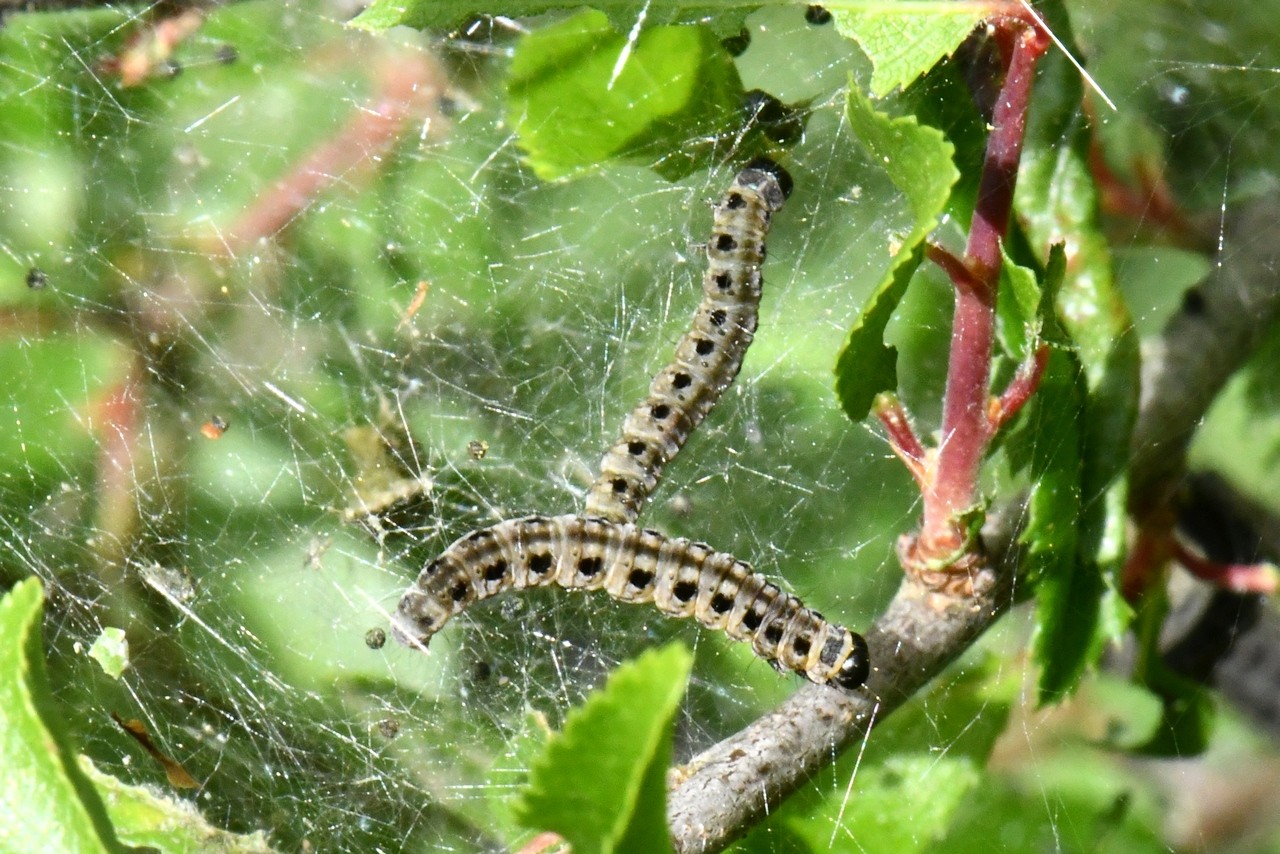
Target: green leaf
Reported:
point(1049, 444)
point(1056, 202)
point(725, 16)
point(1076, 789)
point(1018, 310)
point(1015, 328)
point(1186, 719)
point(147, 820)
point(601, 784)
point(1187, 710)
point(46, 802)
point(1026, 310)
point(582, 93)
point(903, 40)
point(921, 791)
point(917, 159)
point(1154, 279)
point(867, 365)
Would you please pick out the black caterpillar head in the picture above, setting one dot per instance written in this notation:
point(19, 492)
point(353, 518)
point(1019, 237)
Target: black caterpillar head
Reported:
point(769, 179)
point(856, 668)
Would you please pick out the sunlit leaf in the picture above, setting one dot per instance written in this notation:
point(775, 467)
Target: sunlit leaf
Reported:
point(601, 784)
point(726, 15)
point(582, 93)
point(906, 39)
point(46, 802)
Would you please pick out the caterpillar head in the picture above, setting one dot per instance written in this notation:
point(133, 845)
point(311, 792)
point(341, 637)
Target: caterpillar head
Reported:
point(856, 668)
point(771, 181)
point(410, 625)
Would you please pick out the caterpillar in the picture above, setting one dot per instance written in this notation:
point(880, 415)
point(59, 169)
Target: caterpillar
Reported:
point(682, 578)
point(710, 354)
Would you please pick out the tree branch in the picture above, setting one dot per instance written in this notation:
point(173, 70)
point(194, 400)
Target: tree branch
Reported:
point(1220, 323)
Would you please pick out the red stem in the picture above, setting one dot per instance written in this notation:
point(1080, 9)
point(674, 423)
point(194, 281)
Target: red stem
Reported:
point(965, 427)
point(902, 438)
point(409, 87)
point(1240, 577)
point(1020, 388)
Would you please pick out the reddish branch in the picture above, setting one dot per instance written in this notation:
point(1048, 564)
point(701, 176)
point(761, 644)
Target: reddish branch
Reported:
point(119, 420)
point(1020, 389)
point(1150, 201)
point(148, 50)
point(942, 555)
point(1239, 577)
point(1157, 545)
point(903, 439)
point(410, 88)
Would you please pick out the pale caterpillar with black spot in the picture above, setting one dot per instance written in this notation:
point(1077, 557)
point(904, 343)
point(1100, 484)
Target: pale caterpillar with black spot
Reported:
point(709, 355)
point(682, 578)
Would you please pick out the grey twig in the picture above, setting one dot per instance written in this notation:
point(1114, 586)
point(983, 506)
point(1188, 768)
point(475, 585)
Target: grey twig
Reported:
point(731, 786)
point(1220, 324)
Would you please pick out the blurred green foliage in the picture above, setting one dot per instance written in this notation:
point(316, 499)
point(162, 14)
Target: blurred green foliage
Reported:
point(141, 307)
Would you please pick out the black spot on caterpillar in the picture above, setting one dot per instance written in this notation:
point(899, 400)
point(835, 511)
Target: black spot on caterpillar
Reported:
point(709, 355)
point(682, 578)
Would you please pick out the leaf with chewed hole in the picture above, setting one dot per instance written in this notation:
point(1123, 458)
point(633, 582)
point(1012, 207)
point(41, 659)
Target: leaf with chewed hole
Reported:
point(917, 159)
point(601, 782)
point(903, 40)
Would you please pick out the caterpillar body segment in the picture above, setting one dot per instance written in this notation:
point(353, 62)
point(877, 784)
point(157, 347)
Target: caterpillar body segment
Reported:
point(710, 354)
point(680, 577)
